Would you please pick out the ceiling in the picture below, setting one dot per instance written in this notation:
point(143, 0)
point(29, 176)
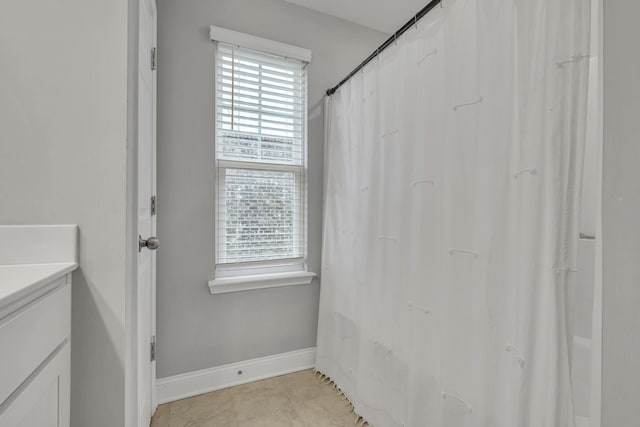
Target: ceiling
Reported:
point(382, 15)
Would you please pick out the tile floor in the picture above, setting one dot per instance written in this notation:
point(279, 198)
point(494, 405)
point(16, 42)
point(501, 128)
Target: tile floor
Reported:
point(295, 400)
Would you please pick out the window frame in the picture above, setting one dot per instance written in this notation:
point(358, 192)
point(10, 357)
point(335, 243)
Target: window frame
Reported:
point(266, 266)
point(241, 276)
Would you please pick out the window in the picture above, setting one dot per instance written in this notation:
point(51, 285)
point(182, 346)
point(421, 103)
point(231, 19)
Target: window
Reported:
point(261, 104)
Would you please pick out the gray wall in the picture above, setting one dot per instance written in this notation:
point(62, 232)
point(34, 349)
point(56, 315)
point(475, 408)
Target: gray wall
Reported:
point(620, 214)
point(63, 140)
point(197, 330)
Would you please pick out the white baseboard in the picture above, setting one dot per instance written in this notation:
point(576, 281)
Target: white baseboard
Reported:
point(193, 383)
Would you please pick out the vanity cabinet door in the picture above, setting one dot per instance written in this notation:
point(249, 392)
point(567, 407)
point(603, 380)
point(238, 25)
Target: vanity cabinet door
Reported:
point(43, 400)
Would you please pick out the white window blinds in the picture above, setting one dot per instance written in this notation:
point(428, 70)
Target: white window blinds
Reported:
point(260, 157)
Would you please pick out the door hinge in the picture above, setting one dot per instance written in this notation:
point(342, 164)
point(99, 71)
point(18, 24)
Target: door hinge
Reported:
point(153, 348)
point(154, 58)
point(154, 205)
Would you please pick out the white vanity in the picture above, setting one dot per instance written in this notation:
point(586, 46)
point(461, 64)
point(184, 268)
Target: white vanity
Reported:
point(35, 324)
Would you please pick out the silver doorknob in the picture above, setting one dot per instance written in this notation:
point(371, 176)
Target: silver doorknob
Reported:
point(152, 243)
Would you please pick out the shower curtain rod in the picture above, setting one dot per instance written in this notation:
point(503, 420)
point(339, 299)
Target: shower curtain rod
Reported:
point(413, 21)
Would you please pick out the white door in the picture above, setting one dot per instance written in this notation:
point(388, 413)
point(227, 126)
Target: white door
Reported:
point(145, 290)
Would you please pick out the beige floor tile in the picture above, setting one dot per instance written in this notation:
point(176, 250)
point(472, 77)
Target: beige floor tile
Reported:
point(286, 418)
point(294, 400)
point(260, 398)
point(208, 403)
point(222, 419)
point(331, 404)
point(329, 411)
point(211, 409)
point(303, 386)
point(161, 417)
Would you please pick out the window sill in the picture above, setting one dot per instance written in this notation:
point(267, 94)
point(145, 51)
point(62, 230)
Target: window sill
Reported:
point(262, 281)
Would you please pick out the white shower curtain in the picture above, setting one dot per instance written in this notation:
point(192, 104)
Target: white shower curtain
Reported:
point(453, 168)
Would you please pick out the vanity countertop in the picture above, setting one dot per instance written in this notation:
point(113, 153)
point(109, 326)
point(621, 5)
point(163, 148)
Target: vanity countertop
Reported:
point(18, 281)
point(31, 257)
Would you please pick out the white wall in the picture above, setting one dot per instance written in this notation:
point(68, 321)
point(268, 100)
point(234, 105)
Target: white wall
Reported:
point(620, 214)
point(63, 128)
point(197, 330)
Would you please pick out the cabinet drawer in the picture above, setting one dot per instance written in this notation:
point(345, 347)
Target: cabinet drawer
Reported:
point(30, 335)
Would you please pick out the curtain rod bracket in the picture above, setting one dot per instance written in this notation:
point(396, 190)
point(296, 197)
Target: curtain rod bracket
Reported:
point(391, 40)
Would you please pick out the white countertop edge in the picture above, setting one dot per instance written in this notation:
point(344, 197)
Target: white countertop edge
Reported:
point(32, 287)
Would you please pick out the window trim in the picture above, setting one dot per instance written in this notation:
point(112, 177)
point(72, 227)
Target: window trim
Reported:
point(234, 277)
point(248, 41)
point(262, 281)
